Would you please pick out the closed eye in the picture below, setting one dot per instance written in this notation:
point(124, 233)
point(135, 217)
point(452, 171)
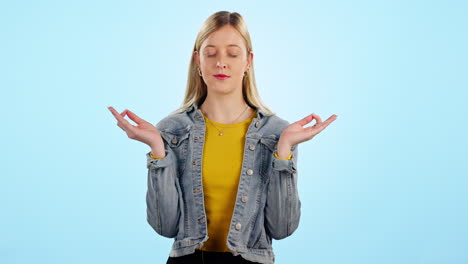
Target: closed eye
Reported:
point(234, 56)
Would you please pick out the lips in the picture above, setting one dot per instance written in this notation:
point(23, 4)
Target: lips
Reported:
point(221, 76)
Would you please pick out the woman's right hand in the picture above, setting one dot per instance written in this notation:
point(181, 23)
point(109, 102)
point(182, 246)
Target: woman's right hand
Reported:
point(143, 131)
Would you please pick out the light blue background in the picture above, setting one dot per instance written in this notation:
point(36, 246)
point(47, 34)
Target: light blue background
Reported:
point(385, 183)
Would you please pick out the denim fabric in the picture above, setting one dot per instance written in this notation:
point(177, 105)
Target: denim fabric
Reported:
point(267, 203)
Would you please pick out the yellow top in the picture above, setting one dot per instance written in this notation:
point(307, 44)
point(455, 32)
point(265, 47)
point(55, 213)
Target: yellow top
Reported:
point(221, 167)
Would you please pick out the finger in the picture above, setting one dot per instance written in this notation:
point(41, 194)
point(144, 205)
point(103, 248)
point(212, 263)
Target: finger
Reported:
point(321, 126)
point(127, 112)
point(112, 110)
point(329, 120)
point(125, 121)
point(304, 121)
point(126, 126)
point(134, 117)
point(318, 120)
point(317, 129)
point(116, 114)
point(122, 122)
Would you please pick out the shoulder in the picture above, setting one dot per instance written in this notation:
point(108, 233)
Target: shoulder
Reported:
point(274, 125)
point(272, 129)
point(275, 120)
point(175, 122)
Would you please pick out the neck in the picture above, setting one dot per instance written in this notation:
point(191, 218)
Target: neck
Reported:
point(226, 110)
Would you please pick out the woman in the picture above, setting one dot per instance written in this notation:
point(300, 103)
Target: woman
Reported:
point(246, 154)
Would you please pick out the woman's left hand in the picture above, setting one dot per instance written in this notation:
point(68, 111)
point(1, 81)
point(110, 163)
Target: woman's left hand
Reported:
point(295, 133)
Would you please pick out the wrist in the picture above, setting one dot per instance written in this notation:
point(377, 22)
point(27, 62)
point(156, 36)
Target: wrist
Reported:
point(157, 152)
point(284, 150)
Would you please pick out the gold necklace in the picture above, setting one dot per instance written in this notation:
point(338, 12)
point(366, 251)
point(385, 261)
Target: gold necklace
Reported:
point(221, 131)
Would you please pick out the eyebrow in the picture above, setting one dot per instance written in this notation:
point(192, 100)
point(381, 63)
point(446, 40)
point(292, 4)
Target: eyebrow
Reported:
point(230, 45)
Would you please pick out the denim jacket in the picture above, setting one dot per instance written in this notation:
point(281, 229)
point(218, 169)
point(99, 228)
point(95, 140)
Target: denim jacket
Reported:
point(267, 203)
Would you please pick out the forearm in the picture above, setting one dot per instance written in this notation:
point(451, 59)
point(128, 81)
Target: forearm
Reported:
point(162, 199)
point(282, 210)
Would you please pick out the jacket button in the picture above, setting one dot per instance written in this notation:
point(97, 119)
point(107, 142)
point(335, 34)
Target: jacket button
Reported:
point(249, 171)
point(238, 226)
point(174, 141)
point(244, 198)
point(257, 123)
point(252, 147)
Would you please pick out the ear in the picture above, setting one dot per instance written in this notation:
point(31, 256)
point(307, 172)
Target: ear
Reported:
point(196, 58)
point(249, 60)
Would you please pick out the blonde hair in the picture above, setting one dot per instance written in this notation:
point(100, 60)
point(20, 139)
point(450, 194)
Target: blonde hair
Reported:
point(196, 90)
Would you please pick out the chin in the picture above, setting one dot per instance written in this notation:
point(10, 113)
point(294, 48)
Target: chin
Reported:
point(223, 91)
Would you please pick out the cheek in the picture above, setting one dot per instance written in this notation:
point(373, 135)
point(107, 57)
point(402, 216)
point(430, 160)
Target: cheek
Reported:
point(207, 64)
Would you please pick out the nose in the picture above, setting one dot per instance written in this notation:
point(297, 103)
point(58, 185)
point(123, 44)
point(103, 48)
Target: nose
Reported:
point(221, 65)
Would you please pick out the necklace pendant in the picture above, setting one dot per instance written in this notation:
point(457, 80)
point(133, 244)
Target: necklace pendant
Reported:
point(220, 133)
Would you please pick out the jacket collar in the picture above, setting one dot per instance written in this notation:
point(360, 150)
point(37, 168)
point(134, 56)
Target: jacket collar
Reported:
point(194, 108)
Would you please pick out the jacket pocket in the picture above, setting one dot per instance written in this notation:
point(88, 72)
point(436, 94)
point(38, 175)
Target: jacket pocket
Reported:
point(258, 238)
point(178, 141)
point(267, 148)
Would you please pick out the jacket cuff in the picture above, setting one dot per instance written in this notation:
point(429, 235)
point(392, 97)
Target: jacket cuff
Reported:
point(159, 163)
point(284, 164)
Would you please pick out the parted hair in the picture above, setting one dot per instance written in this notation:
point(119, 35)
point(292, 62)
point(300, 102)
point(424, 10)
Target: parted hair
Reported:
point(196, 90)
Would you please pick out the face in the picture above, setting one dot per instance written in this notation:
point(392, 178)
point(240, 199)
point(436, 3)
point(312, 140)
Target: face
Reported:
point(223, 52)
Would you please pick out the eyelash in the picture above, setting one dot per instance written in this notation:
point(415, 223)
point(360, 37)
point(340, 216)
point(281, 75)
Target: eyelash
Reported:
point(214, 55)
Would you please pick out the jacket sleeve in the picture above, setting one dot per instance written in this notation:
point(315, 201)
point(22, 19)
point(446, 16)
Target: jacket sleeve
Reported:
point(283, 207)
point(162, 197)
